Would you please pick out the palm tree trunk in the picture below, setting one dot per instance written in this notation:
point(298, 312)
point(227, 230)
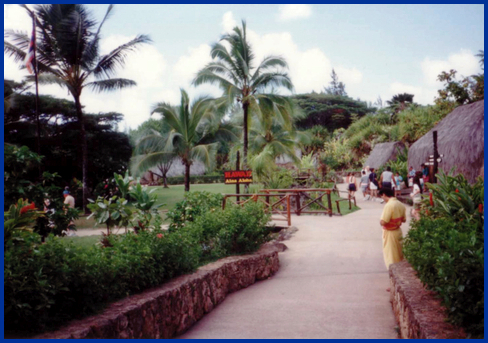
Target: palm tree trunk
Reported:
point(245, 107)
point(84, 149)
point(187, 176)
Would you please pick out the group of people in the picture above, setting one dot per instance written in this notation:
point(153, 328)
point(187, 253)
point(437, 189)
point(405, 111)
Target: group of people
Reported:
point(370, 184)
point(394, 212)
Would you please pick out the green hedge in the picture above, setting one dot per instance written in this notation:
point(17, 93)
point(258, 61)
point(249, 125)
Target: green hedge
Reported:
point(46, 285)
point(446, 248)
point(178, 180)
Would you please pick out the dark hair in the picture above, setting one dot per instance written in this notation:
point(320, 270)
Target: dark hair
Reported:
point(422, 165)
point(388, 168)
point(364, 172)
point(386, 191)
point(416, 180)
point(371, 169)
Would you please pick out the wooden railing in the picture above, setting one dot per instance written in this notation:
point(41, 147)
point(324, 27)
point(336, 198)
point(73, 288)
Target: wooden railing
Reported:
point(283, 202)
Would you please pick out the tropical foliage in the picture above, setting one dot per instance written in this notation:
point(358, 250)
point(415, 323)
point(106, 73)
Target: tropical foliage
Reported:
point(233, 70)
point(446, 248)
point(68, 54)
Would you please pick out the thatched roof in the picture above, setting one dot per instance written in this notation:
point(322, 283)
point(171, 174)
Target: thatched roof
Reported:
point(384, 152)
point(460, 138)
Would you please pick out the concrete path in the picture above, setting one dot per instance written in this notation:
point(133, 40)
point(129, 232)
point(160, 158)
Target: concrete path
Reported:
point(331, 284)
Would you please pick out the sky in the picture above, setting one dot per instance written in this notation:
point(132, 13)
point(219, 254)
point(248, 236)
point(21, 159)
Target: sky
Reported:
point(376, 50)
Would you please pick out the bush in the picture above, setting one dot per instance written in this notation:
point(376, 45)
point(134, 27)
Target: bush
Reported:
point(48, 284)
point(235, 230)
point(194, 204)
point(280, 179)
point(446, 248)
point(449, 258)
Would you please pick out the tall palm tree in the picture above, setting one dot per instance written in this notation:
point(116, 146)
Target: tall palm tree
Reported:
point(234, 71)
point(192, 127)
point(399, 101)
point(68, 54)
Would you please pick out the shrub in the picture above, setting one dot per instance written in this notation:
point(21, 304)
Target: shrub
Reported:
point(446, 248)
point(449, 257)
point(48, 284)
point(235, 230)
point(194, 204)
point(280, 179)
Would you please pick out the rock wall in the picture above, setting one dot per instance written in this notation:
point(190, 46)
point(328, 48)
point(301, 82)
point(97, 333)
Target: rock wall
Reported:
point(418, 312)
point(171, 309)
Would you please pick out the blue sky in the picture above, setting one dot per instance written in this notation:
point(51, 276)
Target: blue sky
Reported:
point(376, 50)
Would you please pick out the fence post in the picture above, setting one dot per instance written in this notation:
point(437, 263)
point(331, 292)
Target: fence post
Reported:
point(298, 203)
point(223, 202)
point(329, 201)
point(288, 209)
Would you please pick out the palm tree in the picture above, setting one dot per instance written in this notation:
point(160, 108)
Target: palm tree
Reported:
point(399, 102)
point(68, 54)
point(192, 128)
point(234, 71)
point(150, 151)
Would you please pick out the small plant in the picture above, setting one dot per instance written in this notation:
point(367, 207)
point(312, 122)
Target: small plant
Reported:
point(111, 212)
point(146, 206)
point(123, 183)
point(194, 204)
point(19, 217)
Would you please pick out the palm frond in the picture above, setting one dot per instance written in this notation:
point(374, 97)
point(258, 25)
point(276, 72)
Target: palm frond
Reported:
point(116, 58)
point(110, 85)
point(269, 62)
point(205, 153)
point(275, 79)
point(139, 164)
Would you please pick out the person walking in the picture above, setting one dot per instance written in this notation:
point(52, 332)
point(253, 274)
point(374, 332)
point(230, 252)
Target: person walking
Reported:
point(386, 179)
point(411, 175)
point(394, 214)
point(397, 183)
point(373, 184)
point(364, 184)
point(69, 202)
point(351, 179)
point(416, 195)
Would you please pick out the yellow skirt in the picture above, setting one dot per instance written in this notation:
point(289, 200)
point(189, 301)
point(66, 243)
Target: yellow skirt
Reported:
point(392, 246)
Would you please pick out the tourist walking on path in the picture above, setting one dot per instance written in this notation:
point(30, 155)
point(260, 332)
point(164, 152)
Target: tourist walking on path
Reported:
point(397, 185)
point(364, 183)
point(386, 179)
point(411, 175)
point(351, 180)
point(69, 202)
point(373, 184)
point(394, 214)
point(416, 195)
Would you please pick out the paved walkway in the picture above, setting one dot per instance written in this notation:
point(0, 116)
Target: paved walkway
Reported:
point(331, 284)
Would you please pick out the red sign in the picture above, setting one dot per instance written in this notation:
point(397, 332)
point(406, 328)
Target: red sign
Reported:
point(238, 176)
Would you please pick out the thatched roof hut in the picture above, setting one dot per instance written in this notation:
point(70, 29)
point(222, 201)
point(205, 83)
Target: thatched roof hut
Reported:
point(384, 152)
point(460, 138)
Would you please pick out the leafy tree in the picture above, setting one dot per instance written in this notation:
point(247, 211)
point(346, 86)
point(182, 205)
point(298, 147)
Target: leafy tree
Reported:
point(336, 87)
point(60, 137)
point(330, 111)
point(191, 126)
point(68, 54)
point(469, 89)
point(234, 71)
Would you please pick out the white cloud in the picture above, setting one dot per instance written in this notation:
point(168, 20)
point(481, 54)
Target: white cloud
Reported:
point(294, 12)
point(228, 22)
point(188, 65)
point(465, 62)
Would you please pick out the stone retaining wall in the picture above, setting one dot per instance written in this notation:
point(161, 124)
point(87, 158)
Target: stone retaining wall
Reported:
point(171, 309)
point(418, 312)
